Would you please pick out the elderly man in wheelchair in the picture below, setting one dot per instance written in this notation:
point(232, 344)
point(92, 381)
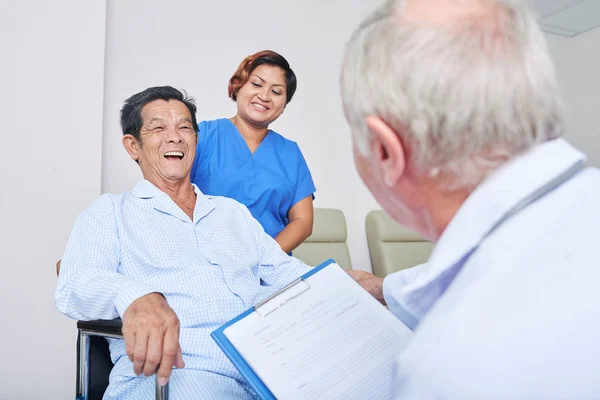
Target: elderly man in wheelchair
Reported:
point(173, 263)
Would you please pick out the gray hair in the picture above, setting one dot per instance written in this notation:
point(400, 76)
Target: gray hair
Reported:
point(469, 95)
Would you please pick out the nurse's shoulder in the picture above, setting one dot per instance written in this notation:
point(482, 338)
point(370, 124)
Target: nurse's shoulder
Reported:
point(284, 146)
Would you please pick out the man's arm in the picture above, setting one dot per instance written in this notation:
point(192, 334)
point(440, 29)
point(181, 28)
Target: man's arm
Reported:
point(90, 287)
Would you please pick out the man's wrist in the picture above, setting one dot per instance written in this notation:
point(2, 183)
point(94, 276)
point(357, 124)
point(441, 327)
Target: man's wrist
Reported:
point(131, 293)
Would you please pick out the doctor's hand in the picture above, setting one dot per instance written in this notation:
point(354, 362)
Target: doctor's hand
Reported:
point(151, 333)
point(369, 282)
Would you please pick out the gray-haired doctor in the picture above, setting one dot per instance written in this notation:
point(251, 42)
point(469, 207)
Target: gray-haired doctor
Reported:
point(456, 124)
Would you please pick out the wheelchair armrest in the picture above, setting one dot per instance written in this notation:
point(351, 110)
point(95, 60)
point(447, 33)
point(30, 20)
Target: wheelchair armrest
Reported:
point(102, 327)
point(106, 328)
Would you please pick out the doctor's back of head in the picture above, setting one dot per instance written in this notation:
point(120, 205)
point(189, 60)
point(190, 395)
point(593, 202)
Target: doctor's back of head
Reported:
point(465, 85)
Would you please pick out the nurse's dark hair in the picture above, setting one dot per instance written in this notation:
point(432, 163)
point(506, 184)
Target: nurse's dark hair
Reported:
point(265, 57)
point(131, 113)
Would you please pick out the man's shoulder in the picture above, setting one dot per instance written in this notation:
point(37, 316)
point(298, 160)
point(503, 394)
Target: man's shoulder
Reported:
point(230, 212)
point(106, 200)
point(106, 203)
point(228, 204)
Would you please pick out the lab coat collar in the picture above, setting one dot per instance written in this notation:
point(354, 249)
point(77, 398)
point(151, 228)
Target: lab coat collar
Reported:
point(486, 205)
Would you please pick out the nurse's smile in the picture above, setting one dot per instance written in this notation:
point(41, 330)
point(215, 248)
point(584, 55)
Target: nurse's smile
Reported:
point(260, 107)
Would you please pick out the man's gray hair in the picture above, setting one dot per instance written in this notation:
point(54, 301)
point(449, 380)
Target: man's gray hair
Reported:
point(469, 94)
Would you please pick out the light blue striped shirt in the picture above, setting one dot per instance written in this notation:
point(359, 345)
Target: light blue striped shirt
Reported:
point(210, 269)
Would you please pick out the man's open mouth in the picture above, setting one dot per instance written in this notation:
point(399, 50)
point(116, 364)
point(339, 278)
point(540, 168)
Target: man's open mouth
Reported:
point(170, 155)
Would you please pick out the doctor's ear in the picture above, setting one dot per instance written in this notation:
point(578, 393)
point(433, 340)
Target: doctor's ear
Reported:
point(132, 145)
point(388, 151)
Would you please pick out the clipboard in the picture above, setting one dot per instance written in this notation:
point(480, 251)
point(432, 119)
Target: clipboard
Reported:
point(232, 353)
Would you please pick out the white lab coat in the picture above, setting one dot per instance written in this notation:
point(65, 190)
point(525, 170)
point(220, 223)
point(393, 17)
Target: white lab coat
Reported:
point(520, 318)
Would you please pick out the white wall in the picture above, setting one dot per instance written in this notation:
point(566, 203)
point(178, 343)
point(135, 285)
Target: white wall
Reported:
point(577, 62)
point(51, 76)
point(198, 45)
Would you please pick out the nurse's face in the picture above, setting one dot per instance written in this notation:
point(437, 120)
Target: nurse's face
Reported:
point(262, 99)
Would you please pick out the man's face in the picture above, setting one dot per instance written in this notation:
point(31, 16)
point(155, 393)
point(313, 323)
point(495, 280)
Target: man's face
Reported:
point(168, 142)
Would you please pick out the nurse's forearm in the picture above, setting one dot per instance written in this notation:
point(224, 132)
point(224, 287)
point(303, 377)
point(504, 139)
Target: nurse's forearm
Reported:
point(293, 234)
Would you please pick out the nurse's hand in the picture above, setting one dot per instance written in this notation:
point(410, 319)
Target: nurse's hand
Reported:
point(151, 333)
point(371, 283)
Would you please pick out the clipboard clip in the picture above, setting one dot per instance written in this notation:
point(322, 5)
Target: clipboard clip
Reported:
point(289, 292)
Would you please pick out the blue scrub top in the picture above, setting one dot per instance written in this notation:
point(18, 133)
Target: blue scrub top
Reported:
point(268, 182)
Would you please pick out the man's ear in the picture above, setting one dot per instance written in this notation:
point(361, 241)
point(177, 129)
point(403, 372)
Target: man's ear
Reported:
point(388, 151)
point(132, 146)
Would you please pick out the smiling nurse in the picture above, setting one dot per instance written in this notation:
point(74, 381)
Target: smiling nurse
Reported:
point(241, 158)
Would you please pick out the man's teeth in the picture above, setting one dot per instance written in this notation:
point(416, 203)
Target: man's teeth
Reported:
point(259, 106)
point(173, 154)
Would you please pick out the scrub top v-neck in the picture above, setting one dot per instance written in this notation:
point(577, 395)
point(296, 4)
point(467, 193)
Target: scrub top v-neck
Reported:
point(269, 181)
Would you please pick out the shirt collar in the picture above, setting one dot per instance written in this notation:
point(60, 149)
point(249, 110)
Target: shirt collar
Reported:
point(488, 203)
point(161, 201)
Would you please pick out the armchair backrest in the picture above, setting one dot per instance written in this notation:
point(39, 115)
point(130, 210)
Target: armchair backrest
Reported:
point(328, 239)
point(393, 247)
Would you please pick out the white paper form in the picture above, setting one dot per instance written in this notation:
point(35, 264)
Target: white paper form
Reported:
point(324, 338)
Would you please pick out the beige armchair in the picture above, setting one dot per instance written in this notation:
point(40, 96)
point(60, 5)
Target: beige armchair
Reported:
point(393, 247)
point(328, 239)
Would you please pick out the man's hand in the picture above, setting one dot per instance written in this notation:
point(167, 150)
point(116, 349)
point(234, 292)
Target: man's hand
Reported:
point(369, 282)
point(151, 333)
